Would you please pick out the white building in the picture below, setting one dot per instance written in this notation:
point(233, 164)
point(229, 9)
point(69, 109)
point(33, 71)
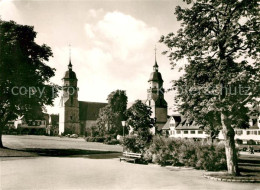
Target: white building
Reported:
point(179, 127)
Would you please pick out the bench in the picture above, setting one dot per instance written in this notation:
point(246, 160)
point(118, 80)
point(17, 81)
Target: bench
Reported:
point(130, 156)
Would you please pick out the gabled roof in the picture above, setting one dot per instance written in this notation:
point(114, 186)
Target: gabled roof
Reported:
point(89, 110)
point(188, 125)
point(255, 126)
point(167, 124)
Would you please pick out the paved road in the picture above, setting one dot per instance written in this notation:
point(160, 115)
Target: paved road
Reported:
point(86, 173)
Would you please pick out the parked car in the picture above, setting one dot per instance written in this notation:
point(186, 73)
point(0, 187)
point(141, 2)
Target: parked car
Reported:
point(74, 136)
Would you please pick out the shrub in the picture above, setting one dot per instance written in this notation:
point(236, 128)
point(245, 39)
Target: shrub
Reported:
point(211, 157)
point(251, 142)
point(239, 141)
point(94, 139)
point(134, 143)
point(200, 155)
point(187, 153)
point(163, 151)
point(112, 142)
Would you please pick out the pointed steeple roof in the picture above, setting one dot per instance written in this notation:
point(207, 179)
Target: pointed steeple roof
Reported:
point(155, 67)
point(70, 65)
point(70, 74)
point(155, 75)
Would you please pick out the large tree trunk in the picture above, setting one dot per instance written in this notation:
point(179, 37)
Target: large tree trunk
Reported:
point(231, 154)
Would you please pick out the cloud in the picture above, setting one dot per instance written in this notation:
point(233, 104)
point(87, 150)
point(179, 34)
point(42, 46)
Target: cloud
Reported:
point(121, 34)
point(8, 11)
point(94, 13)
point(125, 38)
point(119, 55)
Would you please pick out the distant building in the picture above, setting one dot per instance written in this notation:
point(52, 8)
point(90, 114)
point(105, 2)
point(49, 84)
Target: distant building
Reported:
point(52, 125)
point(180, 127)
point(44, 124)
point(31, 127)
point(75, 116)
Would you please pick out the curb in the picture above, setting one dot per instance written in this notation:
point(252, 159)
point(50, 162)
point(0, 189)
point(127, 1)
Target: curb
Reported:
point(232, 180)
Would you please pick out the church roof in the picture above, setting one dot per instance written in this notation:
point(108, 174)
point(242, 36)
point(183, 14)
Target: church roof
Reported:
point(89, 110)
point(70, 74)
point(155, 76)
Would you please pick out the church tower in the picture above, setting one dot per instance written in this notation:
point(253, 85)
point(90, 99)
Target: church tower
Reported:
point(69, 105)
point(155, 97)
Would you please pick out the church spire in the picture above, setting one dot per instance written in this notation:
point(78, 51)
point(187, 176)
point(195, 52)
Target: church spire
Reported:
point(155, 67)
point(70, 65)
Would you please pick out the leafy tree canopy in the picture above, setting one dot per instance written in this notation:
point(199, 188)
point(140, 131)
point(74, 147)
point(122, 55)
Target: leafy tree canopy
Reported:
point(220, 41)
point(139, 118)
point(110, 116)
point(25, 86)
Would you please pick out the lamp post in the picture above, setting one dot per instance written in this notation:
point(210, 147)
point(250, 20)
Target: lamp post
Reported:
point(123, 124)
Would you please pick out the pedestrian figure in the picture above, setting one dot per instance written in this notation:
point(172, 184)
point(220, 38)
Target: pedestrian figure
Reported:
point(251, 150)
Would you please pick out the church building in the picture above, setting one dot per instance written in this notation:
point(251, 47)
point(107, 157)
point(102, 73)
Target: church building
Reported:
point(155, 98)
point(76, 116)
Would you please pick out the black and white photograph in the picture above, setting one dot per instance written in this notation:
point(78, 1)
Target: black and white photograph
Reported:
point(129, 94)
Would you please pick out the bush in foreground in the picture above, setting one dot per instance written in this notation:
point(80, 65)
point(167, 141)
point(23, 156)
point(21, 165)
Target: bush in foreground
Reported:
point(135, 143)
point(201, 155)
point(95, 139)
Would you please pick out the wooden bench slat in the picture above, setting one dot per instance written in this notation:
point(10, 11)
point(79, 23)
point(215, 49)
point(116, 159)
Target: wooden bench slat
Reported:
point(130, 156)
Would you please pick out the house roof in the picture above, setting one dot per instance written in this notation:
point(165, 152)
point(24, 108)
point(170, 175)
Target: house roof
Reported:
point(177, 119)
point(167, 125)
point(188, 125)
point(89, 110)
point(255, 126)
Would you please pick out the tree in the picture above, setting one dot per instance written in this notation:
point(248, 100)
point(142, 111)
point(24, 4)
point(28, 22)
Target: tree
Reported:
point(25, 86)
point(139, 118)
point(111, 115)
point(220, 41)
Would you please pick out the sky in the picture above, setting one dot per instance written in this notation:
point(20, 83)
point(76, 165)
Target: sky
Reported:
point(112, 42)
